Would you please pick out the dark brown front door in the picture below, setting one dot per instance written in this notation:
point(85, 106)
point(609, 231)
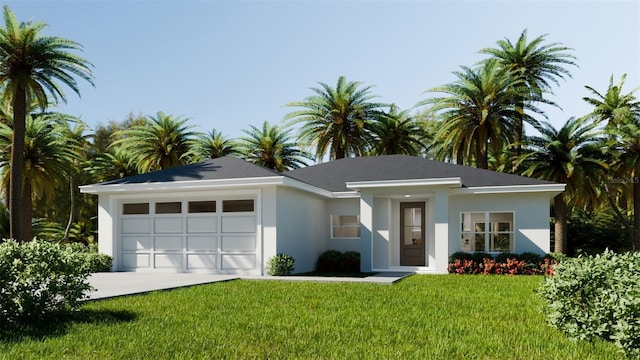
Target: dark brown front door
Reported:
point(412, 242)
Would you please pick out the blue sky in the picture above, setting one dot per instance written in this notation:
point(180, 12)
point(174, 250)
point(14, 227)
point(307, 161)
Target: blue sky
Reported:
point(227, 65)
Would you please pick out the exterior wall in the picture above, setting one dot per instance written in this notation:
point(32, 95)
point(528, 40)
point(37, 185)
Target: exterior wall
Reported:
point(531, 218)
point(302, 227)
point(382, 233)
point(341, 207)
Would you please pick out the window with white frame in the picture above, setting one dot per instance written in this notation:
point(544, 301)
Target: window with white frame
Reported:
point(345, 226)
point(487, 231)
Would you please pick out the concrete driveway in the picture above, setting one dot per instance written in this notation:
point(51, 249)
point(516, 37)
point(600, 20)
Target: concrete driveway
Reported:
point(114, 284)
point(128, 283)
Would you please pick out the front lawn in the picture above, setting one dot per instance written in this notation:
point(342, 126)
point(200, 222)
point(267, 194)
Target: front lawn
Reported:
point(421, 317)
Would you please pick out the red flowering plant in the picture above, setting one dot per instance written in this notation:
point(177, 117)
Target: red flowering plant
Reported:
point(508, 264)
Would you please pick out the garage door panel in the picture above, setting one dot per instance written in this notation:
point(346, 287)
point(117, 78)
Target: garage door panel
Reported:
point(168, 243)
point(239, 243)
point(239, 224)
point(135, 243)
point(202, 225)
point(136, 226)
point(202, 261)
point(208, 243)
point(168, 261)
point(167, 225)
point(133, 261)
point(238, 262)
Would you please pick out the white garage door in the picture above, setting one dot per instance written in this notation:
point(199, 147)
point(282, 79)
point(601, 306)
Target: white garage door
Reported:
point(189, 235)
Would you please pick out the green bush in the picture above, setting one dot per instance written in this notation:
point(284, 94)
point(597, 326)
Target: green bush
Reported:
point(92, 260)
point(503, 257)
point(597, 296)
point(459, 255)
point(530, 257)
point(350, 262)
point(39, 279)
point(281, 264)
point(329, 261)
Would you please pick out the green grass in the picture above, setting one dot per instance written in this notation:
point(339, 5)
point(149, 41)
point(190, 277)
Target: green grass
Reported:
point(421, 317)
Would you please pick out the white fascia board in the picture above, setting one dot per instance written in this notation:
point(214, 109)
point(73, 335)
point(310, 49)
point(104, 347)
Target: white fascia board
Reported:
point(551, 188)
point(181, 185)
point(454, 182)
point(319, 191)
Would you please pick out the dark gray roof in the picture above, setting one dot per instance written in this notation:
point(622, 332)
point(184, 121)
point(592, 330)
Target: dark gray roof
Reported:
point(227, 167)
point(334, 175)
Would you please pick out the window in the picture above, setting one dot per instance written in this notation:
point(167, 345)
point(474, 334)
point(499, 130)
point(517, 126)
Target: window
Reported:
point(169, 208)
point(135, 209)
point(345, 226)
point(487, 232)
point(237, 206)
point(202, 207)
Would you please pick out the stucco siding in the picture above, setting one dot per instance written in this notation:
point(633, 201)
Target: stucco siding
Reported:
point(302, 227)
point(530, 217)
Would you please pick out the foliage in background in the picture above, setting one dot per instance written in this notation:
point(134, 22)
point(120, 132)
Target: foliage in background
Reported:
point(597, 297)
point(39, 280)
point(590, 233)
point(280, 265)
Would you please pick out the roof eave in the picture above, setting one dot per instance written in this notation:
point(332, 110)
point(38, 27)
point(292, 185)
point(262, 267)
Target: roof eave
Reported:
point(181, 185)
point(504, 189)
point(357, 185)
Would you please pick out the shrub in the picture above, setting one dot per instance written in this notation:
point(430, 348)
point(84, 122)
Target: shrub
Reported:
point(350, 262)
point(503, 257)
point(280, 265)
point(92, 260)
point(460, 255)
point(39, 279)
point(597, 296)
point(329, 261)
point(530, 257)
point(480, 256)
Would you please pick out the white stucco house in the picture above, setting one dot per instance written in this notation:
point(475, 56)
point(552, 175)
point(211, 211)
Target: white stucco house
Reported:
point(402, 213)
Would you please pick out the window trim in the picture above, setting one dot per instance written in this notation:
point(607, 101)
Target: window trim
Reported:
point(488, 231)
point(332, 226)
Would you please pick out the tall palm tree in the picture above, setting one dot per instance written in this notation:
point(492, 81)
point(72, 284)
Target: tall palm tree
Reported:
point(571, 155)
point(613, 107)
point(621, 113)
point(537, 64)
point(49, 155)
point(398, 132)
point(112, 165)
point(32, 66)
point(210, 146)
point(160, 143)
point(478, 113)
point(271, 147)
point(337, 120)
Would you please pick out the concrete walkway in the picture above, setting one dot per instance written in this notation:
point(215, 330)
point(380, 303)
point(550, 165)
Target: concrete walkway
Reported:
point(129, 283)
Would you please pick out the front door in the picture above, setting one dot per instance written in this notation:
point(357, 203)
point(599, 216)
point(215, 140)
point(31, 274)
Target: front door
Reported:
point(412, 242)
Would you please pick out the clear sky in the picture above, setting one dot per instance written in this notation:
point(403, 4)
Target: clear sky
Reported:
point(230, 64)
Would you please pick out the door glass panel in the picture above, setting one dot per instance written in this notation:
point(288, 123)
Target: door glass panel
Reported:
point(412, 226)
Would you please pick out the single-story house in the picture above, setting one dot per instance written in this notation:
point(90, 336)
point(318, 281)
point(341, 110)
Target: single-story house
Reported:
point(401, 213)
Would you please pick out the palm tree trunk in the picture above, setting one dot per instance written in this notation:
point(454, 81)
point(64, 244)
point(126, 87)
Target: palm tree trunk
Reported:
point(482, 155)
point(518, 135)
point(72, 209)
point(16, 200)
point(27, 210)
point(560, 207)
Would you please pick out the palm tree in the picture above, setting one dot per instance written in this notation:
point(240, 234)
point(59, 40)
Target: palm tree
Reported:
point(573, 156)
point(160, 143)
point(271, 147)
point(537, 64)
point(210, 146)
point(30, 67)
point(49, 155)
point(613, 107)
point(621, 112)
point(477, 114)
point(337, 120)
point(397, 133)
point(112, 165)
